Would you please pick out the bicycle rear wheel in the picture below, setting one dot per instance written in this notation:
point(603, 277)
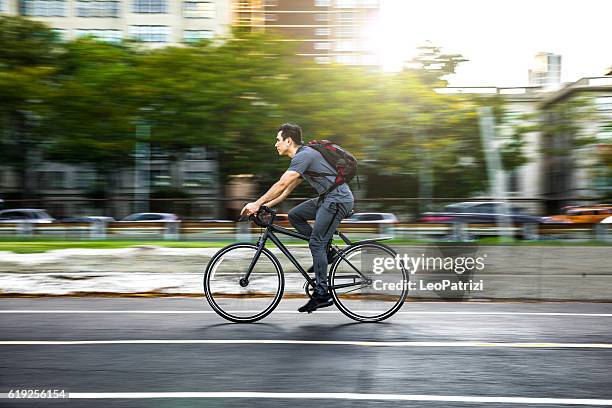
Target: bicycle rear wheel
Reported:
point(368, 283)
point(227, 294)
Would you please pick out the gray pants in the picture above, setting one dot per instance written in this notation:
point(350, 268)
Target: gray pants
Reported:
point(327, 217)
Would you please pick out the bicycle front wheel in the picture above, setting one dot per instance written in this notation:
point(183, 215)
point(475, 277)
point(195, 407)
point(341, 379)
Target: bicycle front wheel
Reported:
point(368, 282)
point(233, 298)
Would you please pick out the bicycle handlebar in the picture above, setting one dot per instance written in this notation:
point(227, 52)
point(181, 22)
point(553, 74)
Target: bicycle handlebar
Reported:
point(256, 218)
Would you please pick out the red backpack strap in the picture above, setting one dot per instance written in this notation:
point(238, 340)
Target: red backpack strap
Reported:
point(321, 142)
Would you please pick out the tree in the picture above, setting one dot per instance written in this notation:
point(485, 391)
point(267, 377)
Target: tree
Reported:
point(565, 125)
point(29, 53)
point(224, 95)
point(513, 145)
point(95, 107)
point(431, 65)
point(397, 125)
point(230, 95)
point(430, 137)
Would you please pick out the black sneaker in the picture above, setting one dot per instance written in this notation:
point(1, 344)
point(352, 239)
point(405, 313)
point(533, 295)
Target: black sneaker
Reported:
point(316, 302)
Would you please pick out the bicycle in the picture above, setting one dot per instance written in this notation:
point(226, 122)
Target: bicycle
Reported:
point(243, 286)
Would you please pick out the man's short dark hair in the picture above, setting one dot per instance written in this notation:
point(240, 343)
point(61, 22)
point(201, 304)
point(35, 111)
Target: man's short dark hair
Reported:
point(293, 131)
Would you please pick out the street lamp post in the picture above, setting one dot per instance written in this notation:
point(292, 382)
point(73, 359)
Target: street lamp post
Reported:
point(142, 166)
point(495, 171)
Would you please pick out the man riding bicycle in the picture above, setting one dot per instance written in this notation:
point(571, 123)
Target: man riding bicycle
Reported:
point(327, 210)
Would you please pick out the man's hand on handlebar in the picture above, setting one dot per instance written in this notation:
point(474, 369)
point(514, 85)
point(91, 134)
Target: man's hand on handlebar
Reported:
point(245, 214)
point(250, 209)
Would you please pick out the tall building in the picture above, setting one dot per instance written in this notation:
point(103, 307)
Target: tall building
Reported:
point(521, 106)
point(326, 30)
point(571, 168)
point(546, 70)
point(559, 171)
point(67, 189)
point(156, 22)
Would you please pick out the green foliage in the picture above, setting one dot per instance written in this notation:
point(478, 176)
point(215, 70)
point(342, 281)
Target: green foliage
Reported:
point(565, 125)
point(28, 56)
point(94, 105)
point(428, 135)
point(605, 149)
point(26, 43)
point(431, 65)
point(512, 149)
point(86, 99)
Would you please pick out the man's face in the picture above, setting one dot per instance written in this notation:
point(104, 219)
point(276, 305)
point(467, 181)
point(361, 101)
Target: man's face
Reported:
point(282, 146)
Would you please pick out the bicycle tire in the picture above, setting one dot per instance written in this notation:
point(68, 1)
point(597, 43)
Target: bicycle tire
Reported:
point(219, 309)
point(343, 304)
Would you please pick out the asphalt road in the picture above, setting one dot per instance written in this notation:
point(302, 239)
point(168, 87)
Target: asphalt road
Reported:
point(463, 354)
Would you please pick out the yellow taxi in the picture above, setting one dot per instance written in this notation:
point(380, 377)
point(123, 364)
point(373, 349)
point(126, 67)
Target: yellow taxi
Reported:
point(582, 214)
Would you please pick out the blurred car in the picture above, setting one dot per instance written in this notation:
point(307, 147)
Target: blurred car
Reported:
point(151, 217)
point(581, 214)
point(607, 220)
point(32, 215)
point(211, 220)
point(372, 218)
point(485, 212)
point(88, 219)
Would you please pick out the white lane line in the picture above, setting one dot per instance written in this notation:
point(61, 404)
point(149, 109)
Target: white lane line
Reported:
point(61, 311)
point(311, 342)
point(345, 396)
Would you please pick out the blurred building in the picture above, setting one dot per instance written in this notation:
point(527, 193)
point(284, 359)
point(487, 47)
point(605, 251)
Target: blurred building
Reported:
point(546, 70)
point(156, 22)
point(578, 141)
point(71, 190)
point(237, 190)
point(521, 107)
point(327, 30)
point(560, 170)
point(67, 190)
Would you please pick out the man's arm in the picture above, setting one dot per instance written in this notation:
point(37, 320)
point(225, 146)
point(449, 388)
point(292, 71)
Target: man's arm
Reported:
point(285, 193)
point(276, 190)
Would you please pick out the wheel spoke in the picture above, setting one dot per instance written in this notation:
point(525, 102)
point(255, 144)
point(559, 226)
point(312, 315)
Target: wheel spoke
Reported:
point(236, 299)
point(381, 292)
point(352, 266)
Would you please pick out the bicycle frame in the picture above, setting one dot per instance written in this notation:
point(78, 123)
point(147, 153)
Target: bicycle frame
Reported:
point(269, 234)
point(339, 276)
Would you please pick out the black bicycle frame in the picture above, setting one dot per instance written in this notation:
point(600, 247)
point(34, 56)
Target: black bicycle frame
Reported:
point(269, 234)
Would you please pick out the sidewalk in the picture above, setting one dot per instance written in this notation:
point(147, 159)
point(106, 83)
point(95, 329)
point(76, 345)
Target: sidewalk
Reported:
point(128, 271)
point(529, 273)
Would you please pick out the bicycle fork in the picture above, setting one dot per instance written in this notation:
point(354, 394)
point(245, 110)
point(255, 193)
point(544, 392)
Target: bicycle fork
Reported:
point(244, 281)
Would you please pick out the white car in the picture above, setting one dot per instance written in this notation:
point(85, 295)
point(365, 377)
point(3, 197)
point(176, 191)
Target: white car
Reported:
point(607, 220)
point(372, 218)
point(31, 215)
point(89, 219)
point(151, 217)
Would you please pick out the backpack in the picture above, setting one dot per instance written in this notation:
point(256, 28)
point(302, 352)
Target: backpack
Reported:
point(340, 159)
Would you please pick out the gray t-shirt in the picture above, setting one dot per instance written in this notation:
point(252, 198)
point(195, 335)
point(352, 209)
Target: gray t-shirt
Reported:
point(308, 159)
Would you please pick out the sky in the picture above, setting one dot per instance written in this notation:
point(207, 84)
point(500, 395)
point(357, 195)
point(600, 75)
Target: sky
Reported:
point(500, 37)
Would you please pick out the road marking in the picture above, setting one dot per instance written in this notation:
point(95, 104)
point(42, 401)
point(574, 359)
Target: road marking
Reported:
point(344, 396)
point(61, 311)
point(310, 342)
